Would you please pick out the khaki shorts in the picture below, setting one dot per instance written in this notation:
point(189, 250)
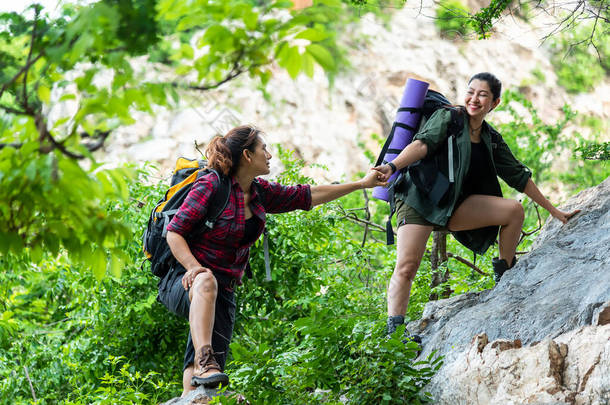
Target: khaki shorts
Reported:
point(405, 214)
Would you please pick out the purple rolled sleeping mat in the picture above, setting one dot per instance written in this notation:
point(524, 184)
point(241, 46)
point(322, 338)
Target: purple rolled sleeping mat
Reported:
point(403, 130)
point(402, 133)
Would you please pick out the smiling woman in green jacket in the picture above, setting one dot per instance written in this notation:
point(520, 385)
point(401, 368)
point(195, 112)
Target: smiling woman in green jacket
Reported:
point(473, 208)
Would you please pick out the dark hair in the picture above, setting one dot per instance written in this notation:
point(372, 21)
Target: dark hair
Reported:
point(495, 85)
point(224, 152)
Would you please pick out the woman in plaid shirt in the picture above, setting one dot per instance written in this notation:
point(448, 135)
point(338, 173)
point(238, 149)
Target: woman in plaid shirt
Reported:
point(200, 287)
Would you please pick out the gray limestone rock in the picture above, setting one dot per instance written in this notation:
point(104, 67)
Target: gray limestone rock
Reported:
point(562, 285)
point(202, 395)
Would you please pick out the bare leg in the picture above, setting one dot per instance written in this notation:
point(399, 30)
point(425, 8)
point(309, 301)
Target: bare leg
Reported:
point(410, 249)
point(186, 381)
point(479, 211)
point(201, 315)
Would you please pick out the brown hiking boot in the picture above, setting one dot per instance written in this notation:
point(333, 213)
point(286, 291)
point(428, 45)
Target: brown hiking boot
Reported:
point(204, 364)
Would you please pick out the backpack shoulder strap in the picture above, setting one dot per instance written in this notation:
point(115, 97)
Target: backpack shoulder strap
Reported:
point(219, 199)
point(454, 130)
point(260, 191)
point(456, 125)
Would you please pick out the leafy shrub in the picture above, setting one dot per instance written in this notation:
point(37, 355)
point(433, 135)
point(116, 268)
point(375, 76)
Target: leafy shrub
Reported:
point(122, 385)
point(452, 19)
point(595, 151)
point(68, 324)
point(314, 333)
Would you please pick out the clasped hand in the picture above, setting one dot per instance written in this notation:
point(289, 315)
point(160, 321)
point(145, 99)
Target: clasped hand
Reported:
point(189, 277)
point(373, 179)
point(384, 171)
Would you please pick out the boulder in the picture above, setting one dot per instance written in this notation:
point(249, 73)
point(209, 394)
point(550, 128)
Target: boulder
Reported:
point(542, 334)
point(202, 395)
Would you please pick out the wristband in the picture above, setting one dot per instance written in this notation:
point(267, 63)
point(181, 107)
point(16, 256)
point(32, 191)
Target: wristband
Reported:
point(392, 166)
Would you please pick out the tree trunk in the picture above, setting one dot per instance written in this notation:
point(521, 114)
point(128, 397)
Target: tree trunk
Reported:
point(438, 256)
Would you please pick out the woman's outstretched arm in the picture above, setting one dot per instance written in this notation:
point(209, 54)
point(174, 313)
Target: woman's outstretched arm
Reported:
point(330, 192)
point(414, 151)
point(533, 192)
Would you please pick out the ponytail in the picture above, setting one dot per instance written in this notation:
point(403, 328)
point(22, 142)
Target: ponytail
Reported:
point(219, 155)
point(224, 152)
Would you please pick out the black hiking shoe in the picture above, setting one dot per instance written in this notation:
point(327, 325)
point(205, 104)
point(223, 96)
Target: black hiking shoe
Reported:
point(393, 323)
point(500, 266)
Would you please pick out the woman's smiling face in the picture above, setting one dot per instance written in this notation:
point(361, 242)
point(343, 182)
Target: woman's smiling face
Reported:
point(479, 99)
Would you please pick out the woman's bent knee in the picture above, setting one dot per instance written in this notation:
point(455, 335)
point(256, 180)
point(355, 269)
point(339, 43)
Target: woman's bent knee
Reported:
point(517, 211)
point(406, 270)
point(205, 283)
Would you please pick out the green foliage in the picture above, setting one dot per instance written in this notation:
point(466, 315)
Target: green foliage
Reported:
point(540, 146)
point(314, 333)
point(581, 57)
point(239, 36)
point(482, 22)
point(82, 62)
point(538, 77)
point(65, 326)
point(43, 208)
point(534, 142)
point(451, 19)
point(595, 151)
point(123, 385)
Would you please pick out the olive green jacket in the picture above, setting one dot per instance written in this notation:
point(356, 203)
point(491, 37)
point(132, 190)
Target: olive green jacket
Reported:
point(434, 134)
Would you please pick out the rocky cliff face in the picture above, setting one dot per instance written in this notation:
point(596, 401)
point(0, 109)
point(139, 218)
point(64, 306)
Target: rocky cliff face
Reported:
point(542, 335)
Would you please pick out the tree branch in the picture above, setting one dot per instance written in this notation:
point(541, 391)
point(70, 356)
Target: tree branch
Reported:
point(354, 218)
point(46, 135)
point(12, 145)
point(228, 78)
point(99, 136)
point(524, 234)
point(236, 70)
point(15, 111)
point(467, 263)
point(367, 215)
point(25, 75)
point(27, 375)
point(21, 71)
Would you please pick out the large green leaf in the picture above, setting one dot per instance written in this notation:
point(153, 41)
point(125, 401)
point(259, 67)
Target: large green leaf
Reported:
point(98, 262)
point(321, 55)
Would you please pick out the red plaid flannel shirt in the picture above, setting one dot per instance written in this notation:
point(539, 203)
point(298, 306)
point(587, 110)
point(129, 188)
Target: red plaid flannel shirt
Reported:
point(222, 248)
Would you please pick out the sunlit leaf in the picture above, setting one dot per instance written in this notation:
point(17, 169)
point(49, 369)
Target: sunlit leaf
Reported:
point(321, 55)
point(44, 93)
point(98, 261)
point(312, 34)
